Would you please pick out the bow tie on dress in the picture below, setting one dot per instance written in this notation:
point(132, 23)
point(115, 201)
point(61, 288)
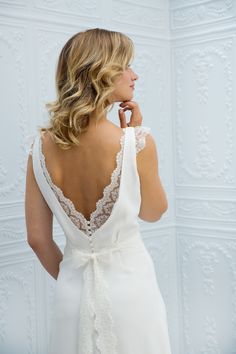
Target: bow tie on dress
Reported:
point(104, 255)
point(95, 303)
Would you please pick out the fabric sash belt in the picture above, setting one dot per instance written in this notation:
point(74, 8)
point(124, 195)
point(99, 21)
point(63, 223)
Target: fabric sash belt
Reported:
point(95, 313)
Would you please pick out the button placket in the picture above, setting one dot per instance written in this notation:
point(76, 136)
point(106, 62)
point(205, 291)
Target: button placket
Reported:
point(90, 236)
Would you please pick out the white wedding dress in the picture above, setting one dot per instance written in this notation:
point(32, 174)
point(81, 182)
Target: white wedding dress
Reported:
point(107, 299)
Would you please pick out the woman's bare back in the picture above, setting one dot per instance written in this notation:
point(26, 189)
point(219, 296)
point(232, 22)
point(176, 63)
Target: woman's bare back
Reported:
point(84, 171)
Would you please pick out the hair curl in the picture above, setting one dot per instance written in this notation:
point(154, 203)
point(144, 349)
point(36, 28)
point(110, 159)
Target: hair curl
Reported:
point(88, 66)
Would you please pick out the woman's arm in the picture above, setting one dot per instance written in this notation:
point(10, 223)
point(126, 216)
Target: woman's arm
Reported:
point(154, 202)
point(39, 225)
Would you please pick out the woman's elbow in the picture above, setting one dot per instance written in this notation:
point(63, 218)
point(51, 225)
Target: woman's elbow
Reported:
point(32, 242)
point(153, 216)
point(35, 240)
point(165, 207)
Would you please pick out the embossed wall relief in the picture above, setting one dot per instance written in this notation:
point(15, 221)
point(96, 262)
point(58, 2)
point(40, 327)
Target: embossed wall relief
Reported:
point(204, 107)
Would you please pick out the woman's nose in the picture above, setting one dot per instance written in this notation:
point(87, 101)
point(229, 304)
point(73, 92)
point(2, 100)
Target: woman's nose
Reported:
point(135, 76)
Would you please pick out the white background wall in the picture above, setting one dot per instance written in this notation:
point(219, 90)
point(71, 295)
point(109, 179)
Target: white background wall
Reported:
point(185, 59)
point(203, 54)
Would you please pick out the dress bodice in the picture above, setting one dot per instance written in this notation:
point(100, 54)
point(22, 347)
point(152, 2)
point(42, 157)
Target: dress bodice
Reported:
point(105, 204)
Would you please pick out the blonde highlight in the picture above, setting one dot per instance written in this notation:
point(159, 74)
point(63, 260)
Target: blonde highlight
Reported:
point(87, 68)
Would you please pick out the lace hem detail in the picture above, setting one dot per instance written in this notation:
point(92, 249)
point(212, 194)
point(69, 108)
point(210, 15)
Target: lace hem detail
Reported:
point(103, 206)
point(140, 137)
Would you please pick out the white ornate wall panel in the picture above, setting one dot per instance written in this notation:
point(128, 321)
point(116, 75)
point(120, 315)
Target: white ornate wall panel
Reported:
point(204, 81)
point(152, 15)
point(203, 47)
point(18, 318)
point(187, 14)
point(13, 110)
point(207, 273)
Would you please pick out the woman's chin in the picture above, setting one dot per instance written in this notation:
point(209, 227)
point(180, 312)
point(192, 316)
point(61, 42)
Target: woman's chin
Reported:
point(128, 97)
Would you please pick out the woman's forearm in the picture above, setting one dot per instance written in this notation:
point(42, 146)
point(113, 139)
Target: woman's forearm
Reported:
point(50, 256)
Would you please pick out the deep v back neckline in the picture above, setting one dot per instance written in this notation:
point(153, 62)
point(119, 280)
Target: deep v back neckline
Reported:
point(57, 191)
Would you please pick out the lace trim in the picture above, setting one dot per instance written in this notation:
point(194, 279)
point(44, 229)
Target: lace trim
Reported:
point(103, 206)
point(106, 203)
point(29, 144)
point(140, 137)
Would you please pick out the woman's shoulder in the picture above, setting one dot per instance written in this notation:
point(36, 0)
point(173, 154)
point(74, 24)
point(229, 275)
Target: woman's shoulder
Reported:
point(46, 135)
point(31, 138)
point(141, 133)
point(47, 139)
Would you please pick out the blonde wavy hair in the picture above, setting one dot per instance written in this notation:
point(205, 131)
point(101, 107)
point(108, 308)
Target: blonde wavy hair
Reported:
point(88, 66)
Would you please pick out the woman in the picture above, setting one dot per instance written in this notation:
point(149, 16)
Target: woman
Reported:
point(97, 178)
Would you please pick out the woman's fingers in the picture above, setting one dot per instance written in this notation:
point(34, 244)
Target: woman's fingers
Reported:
point(136, 117)
point(130, 104)
point(122, 118)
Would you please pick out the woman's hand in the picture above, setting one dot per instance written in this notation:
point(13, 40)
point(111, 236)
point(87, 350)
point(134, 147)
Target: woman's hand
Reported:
point(135, 118)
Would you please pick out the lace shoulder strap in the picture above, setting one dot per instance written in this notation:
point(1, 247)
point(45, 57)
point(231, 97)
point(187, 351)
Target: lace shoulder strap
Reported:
point(30, 139)
point(29, 144)
point(140, 137)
